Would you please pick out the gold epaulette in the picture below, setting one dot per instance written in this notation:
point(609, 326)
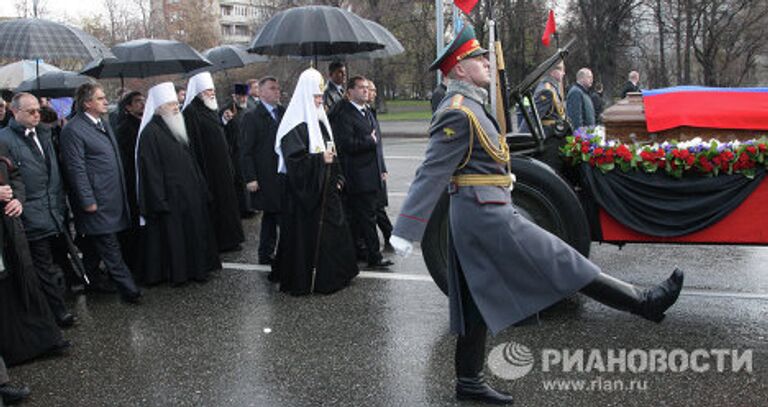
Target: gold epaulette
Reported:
point(456, 101)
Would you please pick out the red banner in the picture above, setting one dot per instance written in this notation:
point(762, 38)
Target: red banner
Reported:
point(465, 5)
point(549, 29)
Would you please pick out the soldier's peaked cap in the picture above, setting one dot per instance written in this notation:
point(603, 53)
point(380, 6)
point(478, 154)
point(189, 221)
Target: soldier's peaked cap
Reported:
point(465, 45)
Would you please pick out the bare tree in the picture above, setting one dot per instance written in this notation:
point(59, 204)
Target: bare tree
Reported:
point(26, 8)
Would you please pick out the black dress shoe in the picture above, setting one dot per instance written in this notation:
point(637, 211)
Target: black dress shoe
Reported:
point(12, 394)
point(476, 389)
point(131, 298)
point(66, 320)
point(381, 264)
point(388, 248)
point(103, 286)
point(59, 349)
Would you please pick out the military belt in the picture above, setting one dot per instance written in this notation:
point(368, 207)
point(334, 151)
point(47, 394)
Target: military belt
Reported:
point(495, 180)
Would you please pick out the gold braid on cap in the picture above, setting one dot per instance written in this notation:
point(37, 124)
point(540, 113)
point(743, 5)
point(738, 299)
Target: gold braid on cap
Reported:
point(322, 84)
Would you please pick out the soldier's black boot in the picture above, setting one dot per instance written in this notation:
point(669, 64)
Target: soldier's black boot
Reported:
point(650, 303)
point(476, 389)
point(469, 359)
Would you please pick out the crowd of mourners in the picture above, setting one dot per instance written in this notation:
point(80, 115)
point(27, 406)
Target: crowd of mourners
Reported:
point(108, 199)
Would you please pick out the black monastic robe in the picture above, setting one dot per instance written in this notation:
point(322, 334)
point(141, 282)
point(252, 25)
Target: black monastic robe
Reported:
point(312, 213)
point(174, 198)
point(206, 136)
point(130, 240)
point(27, 326)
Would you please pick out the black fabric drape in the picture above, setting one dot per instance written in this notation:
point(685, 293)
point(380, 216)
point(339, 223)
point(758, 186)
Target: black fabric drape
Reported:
point(659, 205)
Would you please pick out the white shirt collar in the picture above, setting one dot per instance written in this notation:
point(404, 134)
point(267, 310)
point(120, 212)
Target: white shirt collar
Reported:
point(95, 120)
point(269, 107)
point(361, 108)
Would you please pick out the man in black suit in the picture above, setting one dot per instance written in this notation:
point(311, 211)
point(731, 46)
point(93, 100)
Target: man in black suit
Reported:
point(334, 92)
point(356, 132)
point(259, 127)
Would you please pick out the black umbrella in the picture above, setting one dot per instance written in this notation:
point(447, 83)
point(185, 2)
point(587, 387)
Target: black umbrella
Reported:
point(144, 58)
point(392, 45)
point(35, 38)
point(314, 31)
point(54, 84)
point(226, 57)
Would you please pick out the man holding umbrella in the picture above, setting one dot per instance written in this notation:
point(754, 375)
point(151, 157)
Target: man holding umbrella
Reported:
point(209, 143)
point(29, 145)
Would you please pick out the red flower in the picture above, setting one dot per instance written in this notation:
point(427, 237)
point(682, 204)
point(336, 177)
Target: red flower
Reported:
point(752, 150)
point(598, 151)
point(690, 160)
point(761, 146)
point(584, 149)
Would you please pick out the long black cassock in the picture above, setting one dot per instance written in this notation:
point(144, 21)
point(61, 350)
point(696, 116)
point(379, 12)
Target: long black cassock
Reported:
point(27, 326)
point(206, 135)
point(306, 181)
point(173, 198)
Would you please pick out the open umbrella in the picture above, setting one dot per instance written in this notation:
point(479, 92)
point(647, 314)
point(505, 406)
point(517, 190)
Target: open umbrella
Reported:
point(13, 74)
point(54, 84)
point(147, 57)
point(314, 31)
point(392, 45)
point(36, 38)
point(226, 57)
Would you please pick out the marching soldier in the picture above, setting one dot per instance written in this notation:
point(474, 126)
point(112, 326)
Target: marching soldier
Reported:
point(467, 154)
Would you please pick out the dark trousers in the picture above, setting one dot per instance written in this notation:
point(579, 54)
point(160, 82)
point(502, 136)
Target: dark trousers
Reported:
point(470, 347)
point(49, 274)
point(107, 249)
point(382, 221)
point(362, 208)
point(268, 234)
point(131, 249)
point(3, 373)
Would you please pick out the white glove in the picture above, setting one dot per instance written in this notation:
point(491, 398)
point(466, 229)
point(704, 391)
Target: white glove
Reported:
point(402, 247)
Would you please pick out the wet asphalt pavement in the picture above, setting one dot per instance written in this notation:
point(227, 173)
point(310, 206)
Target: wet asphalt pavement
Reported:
point(384, 341)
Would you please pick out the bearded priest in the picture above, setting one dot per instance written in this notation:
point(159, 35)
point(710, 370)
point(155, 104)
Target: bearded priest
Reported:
point(209, 143)
point(173, 196)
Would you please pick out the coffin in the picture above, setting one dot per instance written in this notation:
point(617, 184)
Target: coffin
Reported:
point(626, 121)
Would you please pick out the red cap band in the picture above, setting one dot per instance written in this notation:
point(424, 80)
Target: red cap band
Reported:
point(461, 52)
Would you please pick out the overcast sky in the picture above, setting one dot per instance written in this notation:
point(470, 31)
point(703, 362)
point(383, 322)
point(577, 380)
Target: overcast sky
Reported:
point(70, 10)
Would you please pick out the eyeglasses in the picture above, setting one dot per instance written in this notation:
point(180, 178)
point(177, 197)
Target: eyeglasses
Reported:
point(31, 111)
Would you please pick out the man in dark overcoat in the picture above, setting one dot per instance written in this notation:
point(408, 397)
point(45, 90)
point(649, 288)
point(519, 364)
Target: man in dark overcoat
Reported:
point(486, 290)
point(334, 91)
point(98, 194)
point(581, 111)
point(30, 147)
point(259, 129)
point(131, 107)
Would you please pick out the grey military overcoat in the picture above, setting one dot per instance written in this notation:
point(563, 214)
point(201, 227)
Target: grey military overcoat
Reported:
point(513, 268)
